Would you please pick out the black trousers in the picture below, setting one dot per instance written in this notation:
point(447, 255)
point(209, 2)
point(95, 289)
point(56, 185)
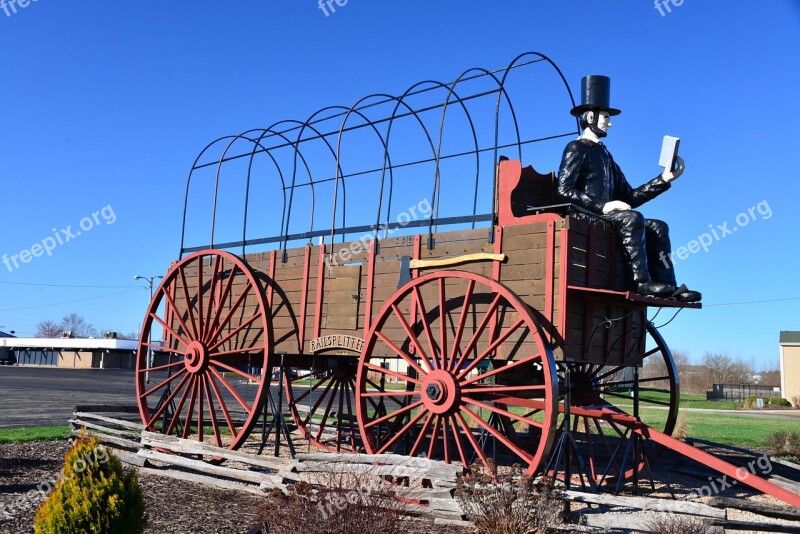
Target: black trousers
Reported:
point(647, 247)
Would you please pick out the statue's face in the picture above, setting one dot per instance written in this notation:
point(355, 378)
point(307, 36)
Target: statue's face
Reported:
point(603, 121)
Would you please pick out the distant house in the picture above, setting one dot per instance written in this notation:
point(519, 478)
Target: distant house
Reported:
point(6, 356)
point(790, 365)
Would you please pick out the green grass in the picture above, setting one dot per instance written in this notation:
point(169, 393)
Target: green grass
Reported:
point(688, 400)
point(35, 433)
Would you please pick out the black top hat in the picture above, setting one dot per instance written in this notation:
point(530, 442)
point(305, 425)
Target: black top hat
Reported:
point(595, 96)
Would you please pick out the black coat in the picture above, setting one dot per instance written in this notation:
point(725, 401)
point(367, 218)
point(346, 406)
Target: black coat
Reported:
point(589, 177)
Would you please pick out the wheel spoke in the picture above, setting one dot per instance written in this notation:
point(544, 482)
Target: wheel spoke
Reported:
point(213, 325)
point(243, 350)
point(426, 326)
point(232, 369)
point(442, 327)
point(185, 288)
point(169, 329)
point(223, 407)
point(307, 392)
point(390, 393)
point(445, 441)
point(188, 424)
point(489, 388)
point(316, 404)
point(232, 391)
point(327, 410)
point(400, 411)
point(460, 447)
point(160, 367)
point(497, 435)
point(229, 315)
point(212, 411)
point(171, 303)
point(165, 404)
point(411, 336)
point(462, 320)
point(212, 289)
point(499, 370)
point(475, 446)
point(409, 360)
point(402, 431)
point(434, 433)
point(162, 384)
point(491, 348)
point(421, 436)
point(379, 369)
point(200, 405)
point(500, 411)
point(176, 416)
point(200, 327)
point(238, 329)
point(611, 372)
point(478, 331)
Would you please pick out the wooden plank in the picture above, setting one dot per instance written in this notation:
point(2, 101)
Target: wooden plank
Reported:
point(769, 510)
point(123, 433)
point(443, 262)
point(113, 440)
point(203, 479)
point(453, 523)
point(118, 422)
point(382, 459)
point(647, 503)
point(254, 477)
point(521, 229)
point(106, 408)
point(632, 522)
point(176, 444)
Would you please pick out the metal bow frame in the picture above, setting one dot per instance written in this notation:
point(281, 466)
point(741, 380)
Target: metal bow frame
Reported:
point(321, 127)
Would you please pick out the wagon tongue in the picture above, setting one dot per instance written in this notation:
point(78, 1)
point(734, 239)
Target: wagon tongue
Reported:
point(736, 473)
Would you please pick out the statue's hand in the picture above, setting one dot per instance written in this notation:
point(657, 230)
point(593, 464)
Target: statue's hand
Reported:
point(615, 205)
point(668, 176)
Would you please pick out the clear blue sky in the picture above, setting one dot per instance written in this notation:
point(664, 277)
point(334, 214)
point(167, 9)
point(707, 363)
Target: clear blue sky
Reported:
point(108, 104)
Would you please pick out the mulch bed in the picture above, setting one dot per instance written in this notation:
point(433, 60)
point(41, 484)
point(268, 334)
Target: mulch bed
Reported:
point(176, 506)
point(172, 505)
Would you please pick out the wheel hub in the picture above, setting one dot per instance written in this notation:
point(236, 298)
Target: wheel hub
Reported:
point(441, 393)
point(196, 357)
point(584, 389)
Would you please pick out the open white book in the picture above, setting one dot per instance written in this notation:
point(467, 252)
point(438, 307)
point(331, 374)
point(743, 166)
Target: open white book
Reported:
point(669, 152)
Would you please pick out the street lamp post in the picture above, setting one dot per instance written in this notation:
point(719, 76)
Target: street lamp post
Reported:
point(149, 362)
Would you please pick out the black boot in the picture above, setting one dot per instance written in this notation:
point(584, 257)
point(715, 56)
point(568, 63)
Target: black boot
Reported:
point(684, 294)
point(655, 289)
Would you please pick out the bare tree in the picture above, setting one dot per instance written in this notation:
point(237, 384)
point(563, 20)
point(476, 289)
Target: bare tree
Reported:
point(48, 329)
point(78, 326)
point(771, 378)
point(722, 369)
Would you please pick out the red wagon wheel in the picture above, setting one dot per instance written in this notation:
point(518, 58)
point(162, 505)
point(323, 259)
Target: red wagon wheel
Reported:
point(597, 390)
point(209, 378)
point(468, 368)
point(322, 403)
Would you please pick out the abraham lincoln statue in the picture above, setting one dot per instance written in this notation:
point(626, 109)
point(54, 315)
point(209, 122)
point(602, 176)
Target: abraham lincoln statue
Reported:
point(589, 177)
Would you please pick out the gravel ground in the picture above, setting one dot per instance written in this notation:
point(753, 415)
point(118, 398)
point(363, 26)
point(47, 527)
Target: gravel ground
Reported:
point(176, 506)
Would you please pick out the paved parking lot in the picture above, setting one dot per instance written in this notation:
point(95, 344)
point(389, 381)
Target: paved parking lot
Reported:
point(45, 396)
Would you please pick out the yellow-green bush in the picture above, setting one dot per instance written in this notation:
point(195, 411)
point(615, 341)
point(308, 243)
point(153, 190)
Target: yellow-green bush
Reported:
point(94, 495)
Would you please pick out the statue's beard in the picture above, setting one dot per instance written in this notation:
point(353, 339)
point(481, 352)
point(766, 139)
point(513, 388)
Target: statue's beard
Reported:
point(597, 131)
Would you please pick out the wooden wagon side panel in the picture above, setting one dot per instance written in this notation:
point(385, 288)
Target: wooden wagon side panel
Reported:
point(595, 256)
